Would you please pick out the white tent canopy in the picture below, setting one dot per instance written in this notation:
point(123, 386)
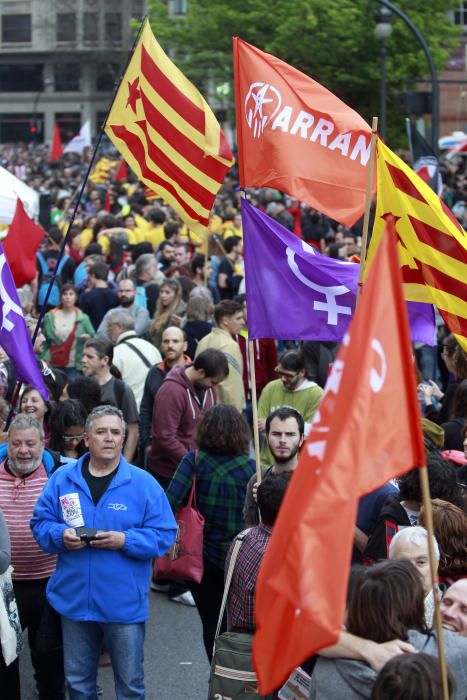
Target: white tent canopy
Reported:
point(10, 189)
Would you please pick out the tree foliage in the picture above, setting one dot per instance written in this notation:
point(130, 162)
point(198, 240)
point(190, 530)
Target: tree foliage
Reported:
point(330, 40)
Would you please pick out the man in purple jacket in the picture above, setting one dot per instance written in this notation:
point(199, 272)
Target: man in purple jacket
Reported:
point(186, 394)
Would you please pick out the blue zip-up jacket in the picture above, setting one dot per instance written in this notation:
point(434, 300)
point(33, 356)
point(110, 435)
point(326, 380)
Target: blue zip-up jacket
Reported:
point(105, 585)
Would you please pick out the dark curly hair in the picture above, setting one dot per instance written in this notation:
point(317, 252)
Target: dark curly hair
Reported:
point(223, 431)
point(450, 527)
point(442, 477)
point(459, 402)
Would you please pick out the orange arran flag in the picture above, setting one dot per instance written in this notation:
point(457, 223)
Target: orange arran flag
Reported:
point(296, 136)
point(367, 431)
point(432, 244)
point(168, 134)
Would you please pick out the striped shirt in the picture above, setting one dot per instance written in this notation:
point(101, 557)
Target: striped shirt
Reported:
point(18, 497)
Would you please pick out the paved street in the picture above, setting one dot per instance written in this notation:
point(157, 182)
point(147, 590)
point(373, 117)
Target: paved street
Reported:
point(175, 660)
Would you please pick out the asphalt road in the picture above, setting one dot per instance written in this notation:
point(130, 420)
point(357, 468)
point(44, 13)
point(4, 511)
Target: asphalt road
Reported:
point(176, 666)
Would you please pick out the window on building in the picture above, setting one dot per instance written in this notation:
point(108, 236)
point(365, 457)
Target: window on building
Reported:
point(66, 26)
point(21, 127)
point(107, 77)
point(113, 27)
point(69, 124)
point(21, 77)
point(16, 29)
point(90, 27)
point(137, 9)
point(460, 15)
point(67, 77)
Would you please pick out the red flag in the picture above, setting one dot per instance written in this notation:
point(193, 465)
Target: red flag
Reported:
point(56, 150)
point(122, 172)
point(298, 137)
point(107, 205)
point(367, 431)
point(21, 245)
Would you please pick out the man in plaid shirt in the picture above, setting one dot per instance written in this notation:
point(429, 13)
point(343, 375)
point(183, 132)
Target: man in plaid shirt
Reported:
point(241, 598)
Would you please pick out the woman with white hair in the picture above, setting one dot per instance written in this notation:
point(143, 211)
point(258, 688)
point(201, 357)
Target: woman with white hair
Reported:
point(411, 543)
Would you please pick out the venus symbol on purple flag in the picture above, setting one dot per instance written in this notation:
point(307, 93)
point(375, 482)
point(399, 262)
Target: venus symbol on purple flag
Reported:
point(7, 303)
point(330, 293)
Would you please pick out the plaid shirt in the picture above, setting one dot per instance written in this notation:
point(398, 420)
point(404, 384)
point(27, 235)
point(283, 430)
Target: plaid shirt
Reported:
point(221, 483)
point(241, 598)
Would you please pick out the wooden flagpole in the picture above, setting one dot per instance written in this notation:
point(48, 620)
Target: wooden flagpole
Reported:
point(426, 498)
point(366, 216)
point(254, 404)
point(73, 215)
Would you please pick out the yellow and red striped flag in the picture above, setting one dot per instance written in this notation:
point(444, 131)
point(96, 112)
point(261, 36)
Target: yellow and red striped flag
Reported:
point(168, 134)
point(100, 174)
point(432, 244)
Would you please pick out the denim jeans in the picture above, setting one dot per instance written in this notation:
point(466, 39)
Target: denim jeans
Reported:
point(82, 644)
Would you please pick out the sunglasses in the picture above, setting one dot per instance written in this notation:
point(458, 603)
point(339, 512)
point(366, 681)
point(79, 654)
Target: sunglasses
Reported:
point(73, 437)
point(285, 373)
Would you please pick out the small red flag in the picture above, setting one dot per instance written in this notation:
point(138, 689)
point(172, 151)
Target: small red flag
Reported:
point(56, 150)
point(354, 447)
point(21, 245)
point(107, 205)
point(122, 172)
point(295, 135)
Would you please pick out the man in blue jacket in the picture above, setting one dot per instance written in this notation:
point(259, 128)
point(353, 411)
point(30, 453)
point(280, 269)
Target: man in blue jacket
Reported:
point(100, 586)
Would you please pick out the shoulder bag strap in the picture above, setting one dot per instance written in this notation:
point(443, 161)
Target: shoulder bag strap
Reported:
point(233, 559)
point(137, 351)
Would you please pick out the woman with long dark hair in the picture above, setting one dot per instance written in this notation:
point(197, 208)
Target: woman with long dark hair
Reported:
point(222, 468)
point(67, 428)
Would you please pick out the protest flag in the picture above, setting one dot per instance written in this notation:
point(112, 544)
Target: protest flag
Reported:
point(81, 141)
point(295, 135)
point(100, 174)
point(424, 162)
point(318, 292)
point(432, 244)
point(21, 245)
point(56, 149)
point(168, 134)
point(122, 172)
point(14, 335)
point(355, 446)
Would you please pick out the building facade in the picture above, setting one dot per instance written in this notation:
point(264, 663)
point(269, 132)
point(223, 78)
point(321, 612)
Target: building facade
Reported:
point(60, 61)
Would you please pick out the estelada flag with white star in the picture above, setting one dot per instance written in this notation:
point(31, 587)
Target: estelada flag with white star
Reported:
point(296, 136)
point(168, 134)
point(432, 244)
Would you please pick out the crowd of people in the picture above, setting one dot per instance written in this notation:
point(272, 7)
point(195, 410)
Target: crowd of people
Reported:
point(143, 349)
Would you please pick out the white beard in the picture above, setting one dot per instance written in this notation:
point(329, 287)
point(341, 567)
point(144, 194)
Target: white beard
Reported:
point(23, 469)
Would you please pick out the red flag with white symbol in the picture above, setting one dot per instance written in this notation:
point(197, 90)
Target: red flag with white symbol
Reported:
point(367, 431)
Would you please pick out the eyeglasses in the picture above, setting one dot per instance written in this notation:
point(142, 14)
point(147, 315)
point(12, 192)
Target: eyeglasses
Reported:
point(285, 373)
point(73, 437)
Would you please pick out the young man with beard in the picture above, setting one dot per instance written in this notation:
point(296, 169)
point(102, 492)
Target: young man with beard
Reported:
point(284, 430)
point(173, 348)
point(126, 295)
point(292, 388)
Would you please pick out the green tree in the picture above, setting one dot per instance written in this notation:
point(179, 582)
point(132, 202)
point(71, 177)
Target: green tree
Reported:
point(330, 40)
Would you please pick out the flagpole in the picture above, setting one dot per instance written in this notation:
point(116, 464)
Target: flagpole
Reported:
point(83, 184)
point(254, 405)
point(75, 211)
point(426, 498)
point(366, 217)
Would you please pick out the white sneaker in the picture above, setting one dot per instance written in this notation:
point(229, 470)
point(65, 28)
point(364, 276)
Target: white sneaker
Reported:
point(184, 599)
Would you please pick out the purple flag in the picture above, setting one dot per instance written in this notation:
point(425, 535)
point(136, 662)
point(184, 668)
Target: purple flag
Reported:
point(14, 335)
point(422, 322)
point(295, 292)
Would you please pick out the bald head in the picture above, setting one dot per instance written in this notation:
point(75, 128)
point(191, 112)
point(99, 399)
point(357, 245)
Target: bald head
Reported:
point(454, 607)
point(173, 345)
